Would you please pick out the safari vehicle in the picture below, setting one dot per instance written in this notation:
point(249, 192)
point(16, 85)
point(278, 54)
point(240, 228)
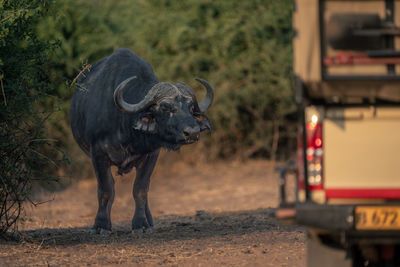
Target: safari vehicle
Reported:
point(347, 67)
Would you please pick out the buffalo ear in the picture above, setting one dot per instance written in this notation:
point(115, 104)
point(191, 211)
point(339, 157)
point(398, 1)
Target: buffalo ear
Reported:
point(146, 122)
point(203, 121)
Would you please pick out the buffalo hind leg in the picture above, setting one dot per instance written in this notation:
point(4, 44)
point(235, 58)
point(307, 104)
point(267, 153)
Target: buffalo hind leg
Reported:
point(105, 194)
point(142, 219)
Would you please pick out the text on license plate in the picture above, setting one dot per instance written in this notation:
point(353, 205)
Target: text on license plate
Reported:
point(377, 218)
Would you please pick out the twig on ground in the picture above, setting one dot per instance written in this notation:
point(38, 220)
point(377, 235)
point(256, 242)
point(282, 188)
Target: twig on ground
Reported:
point(40, 245)
point(41, 202)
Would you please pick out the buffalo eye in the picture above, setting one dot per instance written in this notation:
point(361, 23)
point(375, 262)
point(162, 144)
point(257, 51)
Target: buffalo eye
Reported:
point(198, 116)
point(191, 109)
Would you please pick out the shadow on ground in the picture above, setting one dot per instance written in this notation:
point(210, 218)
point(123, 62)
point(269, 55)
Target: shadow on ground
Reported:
point(168, 228)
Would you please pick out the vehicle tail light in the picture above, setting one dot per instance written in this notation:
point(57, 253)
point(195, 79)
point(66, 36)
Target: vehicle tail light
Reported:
point(314, 155)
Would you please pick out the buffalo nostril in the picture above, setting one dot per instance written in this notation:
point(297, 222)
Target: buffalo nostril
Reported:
point(191, 132)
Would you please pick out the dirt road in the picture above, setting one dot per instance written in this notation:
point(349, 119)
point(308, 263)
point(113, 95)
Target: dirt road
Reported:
point(205, 215)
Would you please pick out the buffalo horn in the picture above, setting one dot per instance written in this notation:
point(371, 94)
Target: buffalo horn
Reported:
point(134, 108)
point(208, 99)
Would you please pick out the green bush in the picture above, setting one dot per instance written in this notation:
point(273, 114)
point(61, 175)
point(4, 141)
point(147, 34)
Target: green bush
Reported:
point(242, 47)
point(27, 156)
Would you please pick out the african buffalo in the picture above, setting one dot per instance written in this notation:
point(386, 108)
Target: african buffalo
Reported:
point(121, 115)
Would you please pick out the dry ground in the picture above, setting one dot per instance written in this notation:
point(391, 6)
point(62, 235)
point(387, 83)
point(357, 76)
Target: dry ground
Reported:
point(235, 229)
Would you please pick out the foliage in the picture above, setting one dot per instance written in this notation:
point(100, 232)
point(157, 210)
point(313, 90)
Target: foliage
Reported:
point(242, 47)
point(26, 156)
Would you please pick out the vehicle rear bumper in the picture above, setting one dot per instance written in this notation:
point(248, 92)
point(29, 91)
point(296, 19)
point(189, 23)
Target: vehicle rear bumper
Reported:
point(338, 220)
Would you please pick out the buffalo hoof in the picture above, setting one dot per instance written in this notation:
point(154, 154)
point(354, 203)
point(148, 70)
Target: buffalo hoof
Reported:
point(142, 231)
point(140, 223)
point(105, 232)
point(138, 232)
point(100, 231)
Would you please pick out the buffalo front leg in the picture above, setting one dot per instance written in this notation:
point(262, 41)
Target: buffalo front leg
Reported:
point(105, 194)
point(142, 219)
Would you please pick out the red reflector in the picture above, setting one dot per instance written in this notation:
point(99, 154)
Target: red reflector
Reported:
point(318, 142)
point(314, 157)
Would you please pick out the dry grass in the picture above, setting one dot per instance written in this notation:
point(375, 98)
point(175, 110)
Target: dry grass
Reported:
point(239, 231)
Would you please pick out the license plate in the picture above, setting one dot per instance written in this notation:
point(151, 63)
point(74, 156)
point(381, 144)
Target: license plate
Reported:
point(377, 218)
